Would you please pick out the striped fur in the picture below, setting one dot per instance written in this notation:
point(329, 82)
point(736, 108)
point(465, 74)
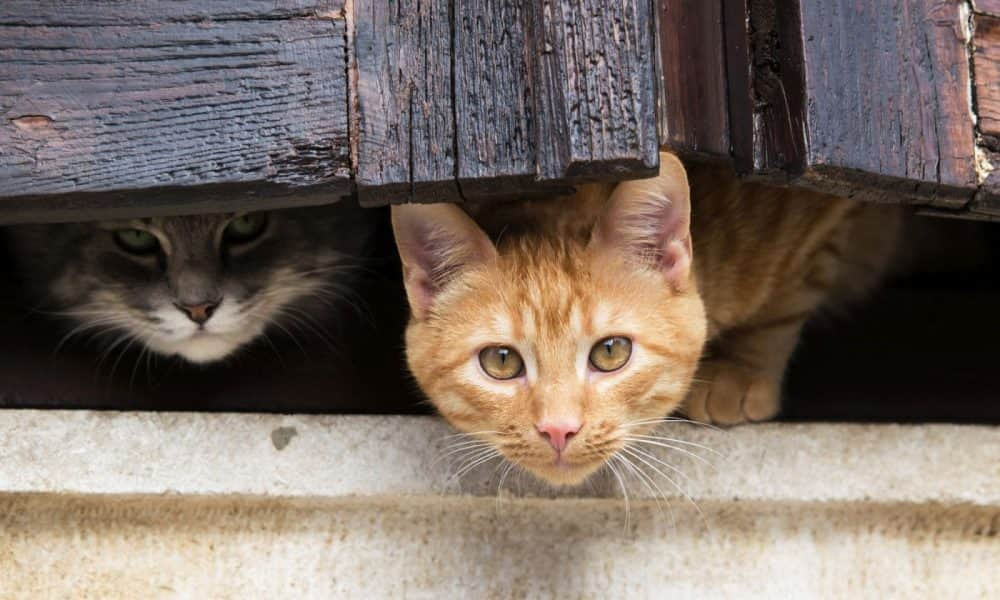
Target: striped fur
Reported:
point(738, 273)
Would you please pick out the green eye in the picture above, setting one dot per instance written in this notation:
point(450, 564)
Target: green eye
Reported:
point(245, 228)
point(501, 362)
point(610, 354)
point(136, 241)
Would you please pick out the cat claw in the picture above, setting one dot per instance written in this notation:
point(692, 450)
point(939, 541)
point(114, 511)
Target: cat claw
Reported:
point(731, 394)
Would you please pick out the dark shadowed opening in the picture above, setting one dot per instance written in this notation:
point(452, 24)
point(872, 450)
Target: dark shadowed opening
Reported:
point(922, 349)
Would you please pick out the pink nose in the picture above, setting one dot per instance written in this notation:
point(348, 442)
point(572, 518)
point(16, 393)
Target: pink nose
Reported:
point(558, 433)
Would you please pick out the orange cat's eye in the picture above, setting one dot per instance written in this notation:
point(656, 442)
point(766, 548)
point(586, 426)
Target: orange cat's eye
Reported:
point(501, 362)
point(610, 354)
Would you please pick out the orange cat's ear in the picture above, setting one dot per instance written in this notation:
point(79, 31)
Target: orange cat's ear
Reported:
point(649, 221)
point(436, 243)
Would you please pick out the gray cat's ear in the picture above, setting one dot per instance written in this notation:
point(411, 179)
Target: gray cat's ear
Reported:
point(649, 221)
point(436, 243)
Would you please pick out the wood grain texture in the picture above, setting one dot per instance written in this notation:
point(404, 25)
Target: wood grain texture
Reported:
point(766, 86)
point(405, 115)
point(694, 108)
point(497, 98)
point(991, 7)
point(897, 105)
point(595, 92)
point(986, 69)
point(986, 65)
point(856, 97)
point(109, 96)
point(740, 80)
point(494, 111)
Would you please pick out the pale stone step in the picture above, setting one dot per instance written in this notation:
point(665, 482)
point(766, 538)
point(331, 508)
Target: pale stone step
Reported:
point(209, 505)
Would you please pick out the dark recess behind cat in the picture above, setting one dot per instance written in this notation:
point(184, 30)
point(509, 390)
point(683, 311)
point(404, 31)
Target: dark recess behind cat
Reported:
point(356, 369)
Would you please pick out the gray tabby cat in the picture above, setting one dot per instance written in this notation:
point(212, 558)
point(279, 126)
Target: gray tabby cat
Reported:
point(199, 287)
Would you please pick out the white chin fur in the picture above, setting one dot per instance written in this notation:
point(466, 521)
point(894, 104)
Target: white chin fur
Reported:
point(223, 335)
point(203, 347)
point(206, 349)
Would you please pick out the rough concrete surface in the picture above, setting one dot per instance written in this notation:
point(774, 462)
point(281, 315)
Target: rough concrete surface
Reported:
point(145, 505)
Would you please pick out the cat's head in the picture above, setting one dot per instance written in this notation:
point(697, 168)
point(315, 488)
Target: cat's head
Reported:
point(199, 287)
point(556, 350)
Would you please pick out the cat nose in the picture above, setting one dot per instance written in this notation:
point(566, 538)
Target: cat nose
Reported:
point(199, 313)
point(558, 433)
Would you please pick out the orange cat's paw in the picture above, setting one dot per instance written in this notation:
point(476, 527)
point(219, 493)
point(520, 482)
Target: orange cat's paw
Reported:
point(729, 394)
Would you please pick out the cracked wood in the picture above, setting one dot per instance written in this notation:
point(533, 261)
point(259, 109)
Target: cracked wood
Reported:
point(500, 97)
point(867, 97)
point(239, 99)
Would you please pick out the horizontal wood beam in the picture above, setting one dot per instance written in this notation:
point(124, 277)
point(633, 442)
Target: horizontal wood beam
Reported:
point(229, 100)
point(116, 109)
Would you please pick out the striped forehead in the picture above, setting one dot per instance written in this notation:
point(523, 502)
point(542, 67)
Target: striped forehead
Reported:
point(550, 308)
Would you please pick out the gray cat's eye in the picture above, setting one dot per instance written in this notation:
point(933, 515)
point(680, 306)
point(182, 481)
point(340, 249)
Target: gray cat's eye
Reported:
point(501, 362)
point(245, 228)
point(610, 354)
point(136, 241)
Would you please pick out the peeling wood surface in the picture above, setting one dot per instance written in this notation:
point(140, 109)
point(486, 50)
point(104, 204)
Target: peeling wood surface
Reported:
point(986, 63)
point(986, 70)
point(108, 97)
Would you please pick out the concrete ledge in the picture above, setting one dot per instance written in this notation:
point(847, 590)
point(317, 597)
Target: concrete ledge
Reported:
point(464, 547)
point(81, 452)
point(126, 505)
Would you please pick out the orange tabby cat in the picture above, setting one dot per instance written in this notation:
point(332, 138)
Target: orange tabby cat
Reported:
point(554, 329)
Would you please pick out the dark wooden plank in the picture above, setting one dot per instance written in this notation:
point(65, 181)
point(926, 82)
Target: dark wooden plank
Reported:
point(495, 98)
point(740, 79)
point(986, 65)
point(861, 97)
point(70, 13)
point(493, 103)
point(986, 69)
point(594, 85)
point(990, 7)
point(897, 105)
point(694, 108)
point(103, 97)
point(767, 86)
point(404, 110)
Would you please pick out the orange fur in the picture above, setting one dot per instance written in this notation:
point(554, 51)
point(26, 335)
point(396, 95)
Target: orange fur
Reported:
point(552, 278)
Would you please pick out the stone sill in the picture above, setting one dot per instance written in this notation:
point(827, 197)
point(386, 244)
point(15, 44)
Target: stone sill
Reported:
point(351, 457)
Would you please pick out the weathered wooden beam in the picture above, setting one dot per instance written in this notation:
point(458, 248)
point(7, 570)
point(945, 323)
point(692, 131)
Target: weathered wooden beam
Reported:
point(236, 99)
point(521, 96)
point(986, 64)
point(694, 107)
point(986, 69)
point(494, 112)
point(595, 88)
point(404, 109)
point(112, 108)
point(859, 97)
point(987, 7)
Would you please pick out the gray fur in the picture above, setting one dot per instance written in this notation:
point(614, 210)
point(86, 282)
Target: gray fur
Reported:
point(298, 266)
